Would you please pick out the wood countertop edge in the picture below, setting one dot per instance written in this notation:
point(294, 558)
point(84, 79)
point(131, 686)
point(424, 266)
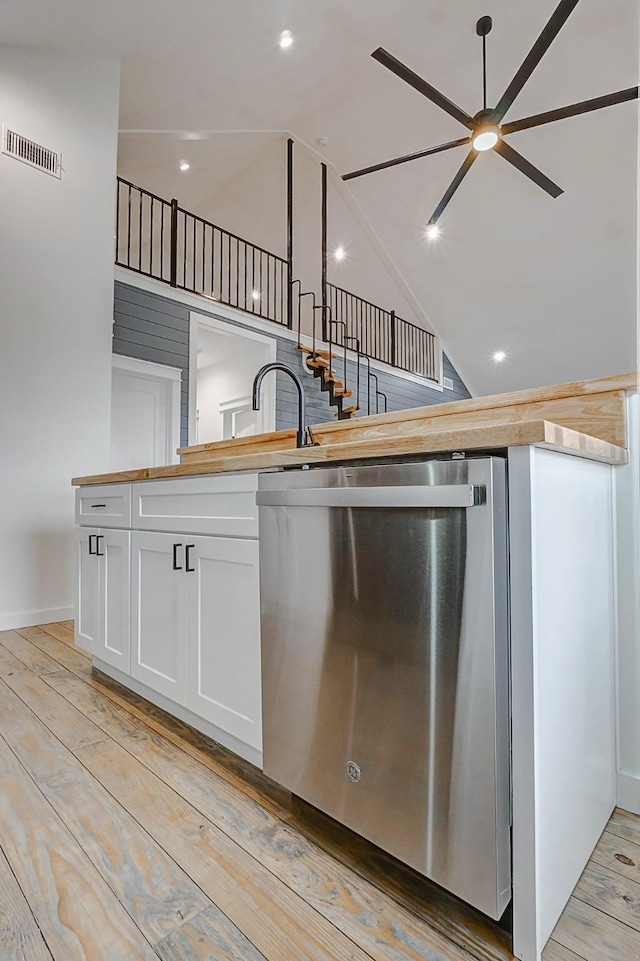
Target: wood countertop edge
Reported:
point(534, 395)
point(541, 433)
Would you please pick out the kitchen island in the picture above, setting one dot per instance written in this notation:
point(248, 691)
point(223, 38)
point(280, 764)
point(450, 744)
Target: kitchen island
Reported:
point(169, 597)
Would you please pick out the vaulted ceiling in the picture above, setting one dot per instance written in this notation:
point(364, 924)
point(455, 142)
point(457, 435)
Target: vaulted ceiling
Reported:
point(551, 282)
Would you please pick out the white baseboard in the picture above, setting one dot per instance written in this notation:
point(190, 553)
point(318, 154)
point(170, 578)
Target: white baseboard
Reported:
point(12, 622)
point(628, 792)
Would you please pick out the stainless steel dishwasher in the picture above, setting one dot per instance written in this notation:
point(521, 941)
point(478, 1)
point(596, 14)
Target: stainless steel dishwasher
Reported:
point(385, 659)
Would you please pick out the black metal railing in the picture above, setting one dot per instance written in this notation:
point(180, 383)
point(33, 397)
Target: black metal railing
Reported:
point(143, 231)
point(381, 334)
point(414, 349)
point(162, 240)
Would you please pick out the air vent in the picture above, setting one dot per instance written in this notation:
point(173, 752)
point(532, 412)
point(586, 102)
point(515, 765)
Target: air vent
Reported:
point(448, 383)
point(32, 153)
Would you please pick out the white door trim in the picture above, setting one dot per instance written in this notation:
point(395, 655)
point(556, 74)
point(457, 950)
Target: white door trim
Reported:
point(221, 326)
point(173, 378)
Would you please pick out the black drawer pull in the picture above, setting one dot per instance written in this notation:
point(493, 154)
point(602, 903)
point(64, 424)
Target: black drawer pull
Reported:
point(176, 566)
point(188, 568)
point(98, 505)
point(99, 537)
point(91, 551)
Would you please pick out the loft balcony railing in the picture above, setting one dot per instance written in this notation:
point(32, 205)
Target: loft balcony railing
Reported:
point(159, 239)
point(381, 334)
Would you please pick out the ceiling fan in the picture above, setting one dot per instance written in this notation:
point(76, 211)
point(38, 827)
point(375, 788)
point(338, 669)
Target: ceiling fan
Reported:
point(487, 130)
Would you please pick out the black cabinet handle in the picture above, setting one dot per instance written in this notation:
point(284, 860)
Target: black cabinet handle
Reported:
point(188, 568)
point(98, 505)
point(91, 551)
point(176, 566)
point(99, 537)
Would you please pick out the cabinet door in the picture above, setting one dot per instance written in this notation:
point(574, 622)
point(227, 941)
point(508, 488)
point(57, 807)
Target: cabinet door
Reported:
point(114, 546)
point(223, 616)
point(88, 621)
point(158, 614)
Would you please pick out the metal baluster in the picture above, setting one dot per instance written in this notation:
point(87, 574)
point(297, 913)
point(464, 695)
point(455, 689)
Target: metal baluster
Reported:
point(129, 229)
point(140, 202)
point(151, 241)
point(268, 310)
point(118, 186)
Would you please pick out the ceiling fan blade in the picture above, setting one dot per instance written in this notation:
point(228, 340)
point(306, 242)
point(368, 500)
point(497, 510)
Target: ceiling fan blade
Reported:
point(527, 168)
point(555, 23)
point(406, 158)
point(571, 111)
point(453, 186)
point(402, 71)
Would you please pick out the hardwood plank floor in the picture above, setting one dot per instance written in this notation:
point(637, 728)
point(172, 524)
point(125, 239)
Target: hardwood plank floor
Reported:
point(125, 834)
point(20, 936)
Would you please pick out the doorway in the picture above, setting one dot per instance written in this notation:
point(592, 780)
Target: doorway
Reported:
point(145, 414)
point(226, 361)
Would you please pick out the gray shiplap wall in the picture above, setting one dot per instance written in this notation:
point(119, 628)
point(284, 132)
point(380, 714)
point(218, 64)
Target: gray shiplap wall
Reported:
point(151, 327)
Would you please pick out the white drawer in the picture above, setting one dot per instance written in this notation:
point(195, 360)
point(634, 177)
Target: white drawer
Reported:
point(223, 504)
point(105, 506)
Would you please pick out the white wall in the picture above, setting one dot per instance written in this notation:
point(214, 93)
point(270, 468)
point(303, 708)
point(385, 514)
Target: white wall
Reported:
point(228, 376)
point(56, 279)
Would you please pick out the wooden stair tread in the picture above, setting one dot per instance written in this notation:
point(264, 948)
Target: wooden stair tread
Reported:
point(350, 410)
point(317, 362)
point(319, 353)
point(343, 393)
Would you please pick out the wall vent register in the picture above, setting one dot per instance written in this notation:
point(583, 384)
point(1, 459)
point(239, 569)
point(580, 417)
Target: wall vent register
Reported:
point(32, 153)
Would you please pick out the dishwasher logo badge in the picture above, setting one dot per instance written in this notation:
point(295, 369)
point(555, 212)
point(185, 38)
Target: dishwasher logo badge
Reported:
point(353, 771)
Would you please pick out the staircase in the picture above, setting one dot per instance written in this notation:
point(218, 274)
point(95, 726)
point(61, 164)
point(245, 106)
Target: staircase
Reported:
point(318, 362)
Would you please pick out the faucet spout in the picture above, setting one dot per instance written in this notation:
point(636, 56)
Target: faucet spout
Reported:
point(304, 435)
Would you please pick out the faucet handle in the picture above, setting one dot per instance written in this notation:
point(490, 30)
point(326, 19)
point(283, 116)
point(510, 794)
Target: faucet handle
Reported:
point(309, 438)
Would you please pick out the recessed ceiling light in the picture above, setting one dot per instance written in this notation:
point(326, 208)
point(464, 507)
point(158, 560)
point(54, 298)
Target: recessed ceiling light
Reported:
point(285, 39)
point(499, 356)
point(184, 166)
point(255, 294)
point(339, 253)
point(432, 231)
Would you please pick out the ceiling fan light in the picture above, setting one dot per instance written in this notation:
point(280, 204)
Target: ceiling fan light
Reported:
point(486, 138)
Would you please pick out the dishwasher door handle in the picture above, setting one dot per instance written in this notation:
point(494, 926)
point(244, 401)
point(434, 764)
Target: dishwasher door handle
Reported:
point(444, 495)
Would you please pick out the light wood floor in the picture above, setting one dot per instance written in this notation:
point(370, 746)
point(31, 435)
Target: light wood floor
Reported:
point(124, 834)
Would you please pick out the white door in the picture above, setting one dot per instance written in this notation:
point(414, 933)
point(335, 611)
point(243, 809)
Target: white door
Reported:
point(145, 414)
point(114, 546)
point(158, 613)
point(224, 635)
point(88, 620)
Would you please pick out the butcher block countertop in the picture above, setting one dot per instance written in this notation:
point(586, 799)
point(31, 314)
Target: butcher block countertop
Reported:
point(584, 418)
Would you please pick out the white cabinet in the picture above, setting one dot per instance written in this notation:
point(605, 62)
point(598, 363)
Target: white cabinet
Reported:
point(87, 620)
point(102, 621)
point(158, 613)
point(219, 504)
point(223, 635)
point(108, 505)
point(177, 612)
point(196, 626)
